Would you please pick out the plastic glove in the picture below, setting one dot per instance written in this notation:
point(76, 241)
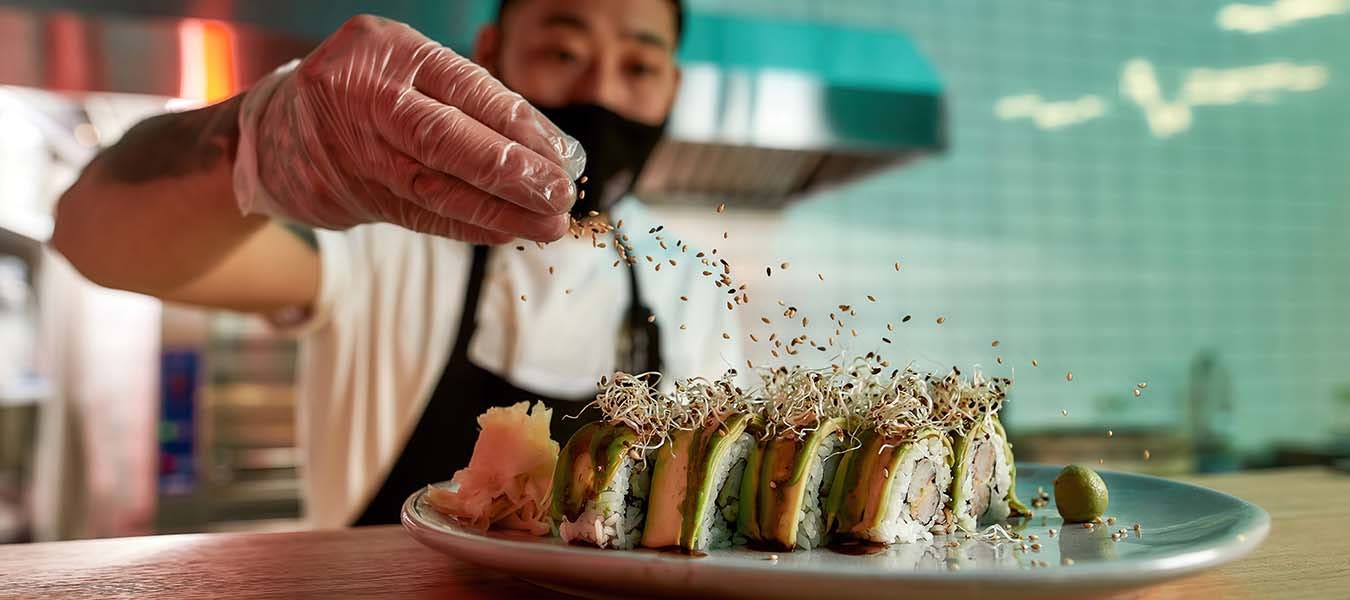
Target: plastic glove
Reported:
point(380, 123)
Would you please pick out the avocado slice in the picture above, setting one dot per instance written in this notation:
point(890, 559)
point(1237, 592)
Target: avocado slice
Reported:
point(665, 507)
point(712, 445)
point(586, 465)
point(775, 485)
point(1014, 504)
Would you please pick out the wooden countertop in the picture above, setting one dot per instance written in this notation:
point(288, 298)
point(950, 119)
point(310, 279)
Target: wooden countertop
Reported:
point(1306, 556)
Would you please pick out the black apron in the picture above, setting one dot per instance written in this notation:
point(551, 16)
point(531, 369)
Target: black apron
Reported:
point(443, 439)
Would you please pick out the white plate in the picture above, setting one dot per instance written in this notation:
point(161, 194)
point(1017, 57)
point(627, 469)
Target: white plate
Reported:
point(1185, 529)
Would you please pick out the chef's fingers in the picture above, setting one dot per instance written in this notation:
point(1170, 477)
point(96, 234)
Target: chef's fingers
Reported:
point(454, 199)
point(410, 216)
point(446, 139)
point(456, 81)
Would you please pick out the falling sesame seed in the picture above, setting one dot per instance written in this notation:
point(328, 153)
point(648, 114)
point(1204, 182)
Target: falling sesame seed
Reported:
point(1136, 392)
point(998, 359)
point(783, 265)
point(616, 263)
point(1068, 376)
point(592, 214)
point(1033, 537)
point(1051, 532)
point(765, 320)
point(821, 276)
point(1064, 411)
point(773, 484)
point(683, 326)
point(753, 338)
point(522, 297)
point(907, 318)
point(1110, 433)
point(649, 258)
point(1146, 454)
point(768, 271)
point(890, 327)
point(1034, 363)
point(749, 364)
point(871, 298)
point(651, 318)
point(726, 336)
point(897, 266)
point(806, 321)
point(658, 266)
point(887, 340)
point(771, 557)
point(1142, 385)
point(584, 179)
point(994, 343)
point(853, 332)
point(1035, 547)
point(1136, 527)
point(582, 195)
point(619, 225)
point(730, 306)
point(1088, 525)
point(1066, 561)
point(941, 320)
point(706, 273)
point(567, 291)
point(1110, 520)
point(721, 208)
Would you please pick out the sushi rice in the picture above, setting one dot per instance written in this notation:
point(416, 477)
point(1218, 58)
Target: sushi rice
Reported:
point(914, 504)
point(717, 524)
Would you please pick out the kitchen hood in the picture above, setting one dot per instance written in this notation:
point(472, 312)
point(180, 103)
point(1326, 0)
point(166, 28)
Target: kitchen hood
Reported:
point(768, 111)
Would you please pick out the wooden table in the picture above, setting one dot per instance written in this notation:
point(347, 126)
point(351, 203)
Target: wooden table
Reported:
point(1306, 556)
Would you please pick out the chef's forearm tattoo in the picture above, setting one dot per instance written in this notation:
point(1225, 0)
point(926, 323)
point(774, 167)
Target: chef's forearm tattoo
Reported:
point(174, 145)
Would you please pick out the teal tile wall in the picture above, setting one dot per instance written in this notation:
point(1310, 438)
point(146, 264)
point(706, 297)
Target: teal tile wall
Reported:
point(1103, 247)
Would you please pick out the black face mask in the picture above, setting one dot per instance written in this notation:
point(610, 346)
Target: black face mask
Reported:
point(616, 150)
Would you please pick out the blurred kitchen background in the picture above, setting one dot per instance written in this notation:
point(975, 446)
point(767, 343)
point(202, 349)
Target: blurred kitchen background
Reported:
point(1136, 192)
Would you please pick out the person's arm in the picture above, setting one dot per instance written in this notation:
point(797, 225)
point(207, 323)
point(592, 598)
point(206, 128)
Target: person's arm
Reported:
point(378, 124)
point(156, 214)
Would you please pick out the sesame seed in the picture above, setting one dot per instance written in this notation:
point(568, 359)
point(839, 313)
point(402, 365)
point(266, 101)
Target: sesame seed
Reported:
point(1034, 363)
point(658, 266)
point(1066, 561)
point(998, 359)
point(726, 336)
point(871, 298)
point(1035, 547)
point(890, 327)
point(1110, 433)
point(1146, 454)
point(1087, 525)
point(724, 235)
point(768, 271)
point(619, 225)
point(683, 326)
point(1136, 527)
point(1110, 520)
point(649, 258)
point(753, 338)
point(522, 297)
point(567, 291)
point(821, 276)
point(721, 208)
point(651, 318)
point(906, 319)
point(1068, 376)
point(730, 307)
point(773, 484)
point(897, 266)
point(1142, 385)
point(887, 340)
point(1136, 392)
point(771, 557)
point(1064, 412)
point(783, 265)
point(854, 332)
point(684, 298)
point(584, 179)
point(550, 270)
point(941, 320)
point(765, 320)
point(1051, 533)
point(1033, 537)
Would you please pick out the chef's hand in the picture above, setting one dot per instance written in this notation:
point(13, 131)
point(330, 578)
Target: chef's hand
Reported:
point(380, 123)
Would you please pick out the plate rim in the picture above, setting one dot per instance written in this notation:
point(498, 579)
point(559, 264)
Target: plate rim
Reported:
point(1142, 572)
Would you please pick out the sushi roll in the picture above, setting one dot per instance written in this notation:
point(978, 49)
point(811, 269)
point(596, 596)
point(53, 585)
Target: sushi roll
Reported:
point(984, 473)
point(601, 482)
point(696, 480)
point(789, 473)
point(600, 487)
point(892, 489)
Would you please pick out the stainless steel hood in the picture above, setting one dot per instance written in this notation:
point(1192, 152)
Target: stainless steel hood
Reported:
point(768, 111)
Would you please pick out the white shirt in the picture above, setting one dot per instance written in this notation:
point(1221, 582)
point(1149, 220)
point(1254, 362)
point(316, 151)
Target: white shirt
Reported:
point(387, 314)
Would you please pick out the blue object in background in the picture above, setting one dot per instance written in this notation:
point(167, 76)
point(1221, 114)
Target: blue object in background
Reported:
point(177, 429)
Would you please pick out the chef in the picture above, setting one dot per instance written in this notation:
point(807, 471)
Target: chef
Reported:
point(405, 212)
